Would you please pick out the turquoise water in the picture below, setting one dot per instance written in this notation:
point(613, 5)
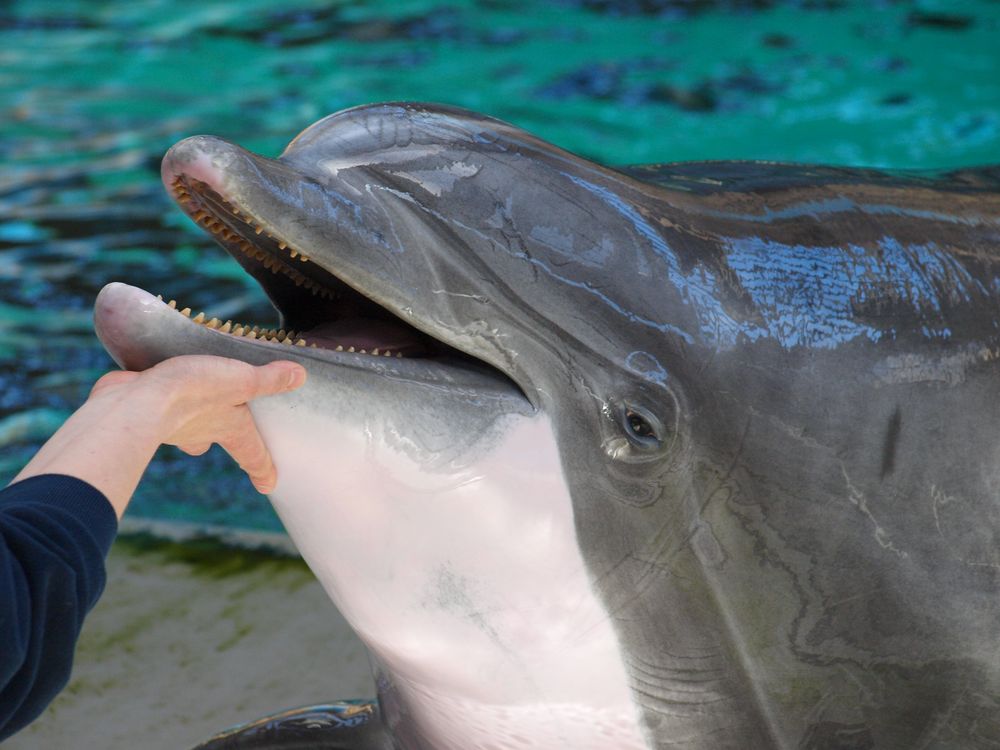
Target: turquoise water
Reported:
point(92, 93)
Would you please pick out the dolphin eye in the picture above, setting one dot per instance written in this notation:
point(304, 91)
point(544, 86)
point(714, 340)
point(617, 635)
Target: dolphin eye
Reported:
point(636, 434)
point(638, 425)
point(642, 430)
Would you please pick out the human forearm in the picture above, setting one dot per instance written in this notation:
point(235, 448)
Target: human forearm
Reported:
point(107, 442)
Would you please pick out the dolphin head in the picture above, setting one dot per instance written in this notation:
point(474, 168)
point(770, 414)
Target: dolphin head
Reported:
point(445, 278)
point(431, 230)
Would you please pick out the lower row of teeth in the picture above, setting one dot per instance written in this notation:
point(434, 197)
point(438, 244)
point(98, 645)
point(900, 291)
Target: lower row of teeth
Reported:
point(269, 335)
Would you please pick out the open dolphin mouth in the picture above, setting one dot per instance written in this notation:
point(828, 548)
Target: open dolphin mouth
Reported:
point(322, 312)
point(321, 316)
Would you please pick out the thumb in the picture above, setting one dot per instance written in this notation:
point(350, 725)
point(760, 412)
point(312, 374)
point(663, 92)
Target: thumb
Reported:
point(276, 377)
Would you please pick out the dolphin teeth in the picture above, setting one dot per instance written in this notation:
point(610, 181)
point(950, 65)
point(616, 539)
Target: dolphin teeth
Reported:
point(387, 353)
point(281, 334)
point(350, 348)
point(339, 347)
point(300, 342)
point(186, 312)
point(287, 341)
point(172, 303)
point(159, 297)
point(258, 229)
point(313, 346)
point(199, 318)
point(304, 258)
point(282, 245)
point(375, 352)
point(238, 330)
point(399, 355)
point(226, 327)
point(251, 335)
point(293, 253)
point(213, 323)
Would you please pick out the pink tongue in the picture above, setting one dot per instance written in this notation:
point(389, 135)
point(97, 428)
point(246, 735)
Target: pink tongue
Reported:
point(365, 334)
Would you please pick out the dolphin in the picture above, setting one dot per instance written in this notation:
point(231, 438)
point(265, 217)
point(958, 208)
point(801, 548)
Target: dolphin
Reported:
point(674, 456)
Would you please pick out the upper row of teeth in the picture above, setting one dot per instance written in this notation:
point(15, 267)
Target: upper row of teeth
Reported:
point(280, 336)
point(215, 226)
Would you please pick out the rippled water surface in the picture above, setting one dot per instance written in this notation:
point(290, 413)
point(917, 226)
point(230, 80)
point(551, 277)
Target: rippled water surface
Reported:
point(92, 94)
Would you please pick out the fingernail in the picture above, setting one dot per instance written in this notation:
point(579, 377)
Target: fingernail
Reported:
point(295, 375)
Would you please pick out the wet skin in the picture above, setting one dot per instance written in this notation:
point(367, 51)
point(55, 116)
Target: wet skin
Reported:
point(751, 404)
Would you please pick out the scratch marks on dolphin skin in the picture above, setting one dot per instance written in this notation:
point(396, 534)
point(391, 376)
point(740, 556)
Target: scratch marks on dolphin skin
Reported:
point(545, 267)
point(477, 297)
point(698, 288)
point(334, 165)
point(975, 547)
point(950, 370)
point(645, 364)
point(442, 180)
point(817, 296)
point(824, 208)
point(592, 254)
point(685, 692)
point(454, 593)
point(858, 499)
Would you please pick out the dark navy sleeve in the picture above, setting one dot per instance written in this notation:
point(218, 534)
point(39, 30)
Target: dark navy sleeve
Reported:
point(55, 533)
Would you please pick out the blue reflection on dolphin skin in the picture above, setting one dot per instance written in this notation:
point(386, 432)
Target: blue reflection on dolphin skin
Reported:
point(647, 365)
point(809, 296)
point(698, 288)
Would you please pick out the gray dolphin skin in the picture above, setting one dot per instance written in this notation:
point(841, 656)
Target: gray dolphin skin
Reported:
point(698, 456)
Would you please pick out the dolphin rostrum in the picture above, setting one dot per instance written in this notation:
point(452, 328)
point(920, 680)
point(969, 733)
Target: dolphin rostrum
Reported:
point(683, 456)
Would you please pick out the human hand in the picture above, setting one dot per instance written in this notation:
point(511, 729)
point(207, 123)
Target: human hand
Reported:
point(190, 401)
point(205, 399)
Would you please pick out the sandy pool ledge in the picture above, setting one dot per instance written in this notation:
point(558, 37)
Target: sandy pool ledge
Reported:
point(195, 633)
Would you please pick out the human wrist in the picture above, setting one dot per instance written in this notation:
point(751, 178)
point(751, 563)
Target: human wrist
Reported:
point(107, 442)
